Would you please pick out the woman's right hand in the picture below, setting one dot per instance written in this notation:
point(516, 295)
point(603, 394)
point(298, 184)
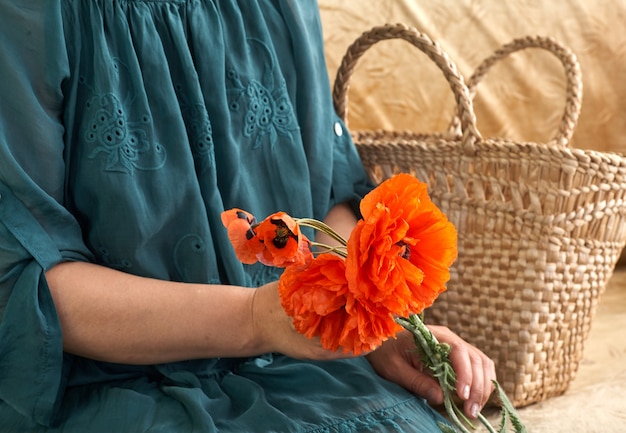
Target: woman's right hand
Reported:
point(273, 329)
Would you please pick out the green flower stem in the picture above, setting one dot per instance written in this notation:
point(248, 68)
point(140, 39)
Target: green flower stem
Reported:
point(436, 357)
point(484, 421)
point(323, 248)
point(320, 226)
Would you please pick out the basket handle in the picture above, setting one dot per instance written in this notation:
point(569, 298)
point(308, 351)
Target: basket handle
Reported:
point(572, 75)
point(465, 109)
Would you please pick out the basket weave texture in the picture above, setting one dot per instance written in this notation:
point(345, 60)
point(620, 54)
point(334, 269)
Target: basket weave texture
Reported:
point(540, 225)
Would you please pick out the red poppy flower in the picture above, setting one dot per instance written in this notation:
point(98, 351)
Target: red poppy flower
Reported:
point(318, 300)
point(284, 243)
point(276, 241)
point(239, 224)
point(398, 259)
point(400, 253)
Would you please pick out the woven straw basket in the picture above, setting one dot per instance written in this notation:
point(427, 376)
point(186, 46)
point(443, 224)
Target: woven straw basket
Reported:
point(541, 226)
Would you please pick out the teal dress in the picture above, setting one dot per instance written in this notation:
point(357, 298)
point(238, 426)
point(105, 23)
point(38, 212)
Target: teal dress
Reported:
point(126, 128)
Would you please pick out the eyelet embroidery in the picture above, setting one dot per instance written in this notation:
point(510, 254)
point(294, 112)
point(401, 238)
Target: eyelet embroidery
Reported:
point(125, 144)
point(200, 134)
point(268, 110)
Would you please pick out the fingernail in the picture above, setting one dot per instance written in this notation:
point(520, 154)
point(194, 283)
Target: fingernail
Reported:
point(474, 410)
point(466, 392)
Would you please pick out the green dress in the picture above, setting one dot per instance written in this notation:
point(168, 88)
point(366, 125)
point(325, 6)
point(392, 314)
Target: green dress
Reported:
point(126, 128)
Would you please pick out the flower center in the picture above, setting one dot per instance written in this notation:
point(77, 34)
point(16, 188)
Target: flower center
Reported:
point(405, 250)
point(283, 233)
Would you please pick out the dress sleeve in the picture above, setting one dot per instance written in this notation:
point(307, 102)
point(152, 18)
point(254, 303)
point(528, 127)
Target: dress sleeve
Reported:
point(332, 156)
point(36, 230)
point(350, 181)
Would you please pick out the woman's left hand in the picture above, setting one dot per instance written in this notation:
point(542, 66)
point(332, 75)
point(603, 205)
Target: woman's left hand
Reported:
point(398, 361)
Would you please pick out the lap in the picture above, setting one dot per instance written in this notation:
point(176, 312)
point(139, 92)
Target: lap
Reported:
point(266, 394)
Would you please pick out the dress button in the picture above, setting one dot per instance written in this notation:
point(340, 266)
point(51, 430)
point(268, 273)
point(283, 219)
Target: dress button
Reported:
point(338, 129)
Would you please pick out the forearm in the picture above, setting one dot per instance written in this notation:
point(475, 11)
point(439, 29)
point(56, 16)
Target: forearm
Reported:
point(342, 220)
point(118, 317)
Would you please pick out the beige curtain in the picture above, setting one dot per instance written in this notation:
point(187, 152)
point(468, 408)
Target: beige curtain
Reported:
point(396, 86)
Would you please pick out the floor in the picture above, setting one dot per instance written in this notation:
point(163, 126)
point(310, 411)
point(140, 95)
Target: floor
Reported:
point(596, 399)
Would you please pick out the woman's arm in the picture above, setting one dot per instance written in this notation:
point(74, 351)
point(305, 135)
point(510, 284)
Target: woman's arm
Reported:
point(342, 220)
point(113, 316)
point(117, 317)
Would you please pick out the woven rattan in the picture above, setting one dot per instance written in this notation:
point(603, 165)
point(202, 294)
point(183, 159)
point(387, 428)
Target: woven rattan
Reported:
point(541, 225)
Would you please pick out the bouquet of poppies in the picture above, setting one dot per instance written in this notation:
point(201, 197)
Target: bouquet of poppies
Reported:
point(356, 294)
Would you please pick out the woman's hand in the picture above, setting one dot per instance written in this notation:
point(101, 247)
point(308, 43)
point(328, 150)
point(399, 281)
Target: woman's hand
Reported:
point(274, 332)
point(397, 360)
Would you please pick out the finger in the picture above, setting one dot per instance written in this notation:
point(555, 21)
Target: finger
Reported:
point(486, 369)
point(474, 371)
point(425, 386)
point(397, 361)
point(474, 404)
point(462, 364)
point(480, 387)
point(461, 360)
point(490, 377)
point(470, 383)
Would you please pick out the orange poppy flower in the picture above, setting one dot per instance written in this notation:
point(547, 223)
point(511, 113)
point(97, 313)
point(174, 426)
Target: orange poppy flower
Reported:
point(400, 253)
point(318, 300)
point(276, 241)
point(246, 244)
point(284, 243)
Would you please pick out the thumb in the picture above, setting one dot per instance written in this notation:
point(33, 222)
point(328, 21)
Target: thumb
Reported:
point(425, 386)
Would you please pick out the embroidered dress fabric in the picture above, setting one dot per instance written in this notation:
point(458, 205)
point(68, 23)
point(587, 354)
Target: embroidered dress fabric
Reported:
point(126, 128)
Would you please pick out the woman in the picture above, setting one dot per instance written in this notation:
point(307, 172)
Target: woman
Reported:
point(126, 128)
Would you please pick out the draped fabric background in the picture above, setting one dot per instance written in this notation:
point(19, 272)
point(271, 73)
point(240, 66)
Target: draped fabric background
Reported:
point(397, 87)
